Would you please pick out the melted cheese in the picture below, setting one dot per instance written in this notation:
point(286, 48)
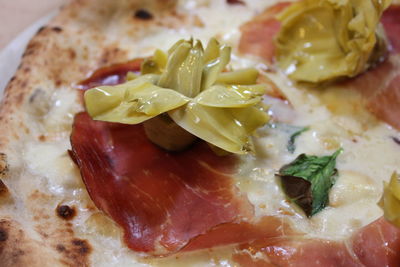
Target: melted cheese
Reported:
point(335, 118)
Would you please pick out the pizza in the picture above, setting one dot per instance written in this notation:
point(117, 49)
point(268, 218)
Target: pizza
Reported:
point(205, 133)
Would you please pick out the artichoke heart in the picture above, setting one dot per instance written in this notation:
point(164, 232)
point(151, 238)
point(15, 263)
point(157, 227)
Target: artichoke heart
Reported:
point(323, 40)
point(192, 86)
point(390, 201)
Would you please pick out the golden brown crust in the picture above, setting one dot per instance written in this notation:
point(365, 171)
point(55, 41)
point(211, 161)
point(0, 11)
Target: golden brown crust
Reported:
point(87, 34)
point(16, 249)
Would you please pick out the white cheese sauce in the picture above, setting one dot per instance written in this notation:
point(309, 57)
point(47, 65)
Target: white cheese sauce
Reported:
point(335, 117)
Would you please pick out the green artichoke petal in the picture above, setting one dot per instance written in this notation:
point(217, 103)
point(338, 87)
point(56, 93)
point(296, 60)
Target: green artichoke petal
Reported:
point(212, 51)
point(216, 57)
point(231, 96)
point(223, 127)
point(132, 102)
point(390, 201)
point(161, 58)
point(154, 100)
point(184, 69)
point(155, 64)
point(102, 99)
point(244, 76)
point(251, 118)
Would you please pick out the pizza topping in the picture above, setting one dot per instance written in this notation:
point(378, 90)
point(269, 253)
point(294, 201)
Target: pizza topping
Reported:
point(188, 83)
point(143, 14)
point(111, 75)
point(164, 132)
point(325, 40)
point(376, 244)
point(235, 2)
point(396, 140)
point(161, 200)
point(390, 201)
point(308, 179)
point(391, 24)
point(291, 146)
point(154, 64)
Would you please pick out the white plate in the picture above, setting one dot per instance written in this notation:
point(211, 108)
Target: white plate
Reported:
point(10, 56)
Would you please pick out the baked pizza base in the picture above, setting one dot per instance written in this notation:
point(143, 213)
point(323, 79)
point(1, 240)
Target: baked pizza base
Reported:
point(46, 215)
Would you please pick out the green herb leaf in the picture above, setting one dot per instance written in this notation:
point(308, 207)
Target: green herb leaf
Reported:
point(291, 146)
point(308, 179)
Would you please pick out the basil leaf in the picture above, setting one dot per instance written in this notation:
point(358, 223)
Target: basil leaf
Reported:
point(308, 179)
point(291, 146)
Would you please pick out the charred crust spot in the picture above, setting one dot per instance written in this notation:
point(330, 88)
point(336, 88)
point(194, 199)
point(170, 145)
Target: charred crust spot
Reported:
point(41, 29)
point(66, 212)
point(143, 14)
point(112, 55)
point(3, 165)
point(20, 98)
point(3, 235)
point(82, 246)
point(57, 29)
point(60, 248)
point(3, 189)
point(42, 138)
point(17, 253)
point(72, 54)
point(235, 2)
point(75, 251)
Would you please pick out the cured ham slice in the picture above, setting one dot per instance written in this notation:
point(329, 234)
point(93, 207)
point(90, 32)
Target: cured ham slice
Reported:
point(111, 75)
point(375, 245)
point(380, 86)
point(164, 201)
point(160, 199)
point(391, 23)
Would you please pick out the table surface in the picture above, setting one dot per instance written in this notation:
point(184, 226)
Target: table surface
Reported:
point(16, 15)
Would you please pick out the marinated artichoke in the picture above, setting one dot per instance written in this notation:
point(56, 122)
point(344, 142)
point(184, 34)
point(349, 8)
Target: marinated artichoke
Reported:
point(390, 201)
point(322, 40)
point(192, 86)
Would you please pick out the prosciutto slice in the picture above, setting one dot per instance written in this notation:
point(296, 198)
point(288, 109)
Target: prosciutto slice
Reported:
point(165, 202)
point(391, 23)
point(112, 74)
point(380, 87)
point(375, 245)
